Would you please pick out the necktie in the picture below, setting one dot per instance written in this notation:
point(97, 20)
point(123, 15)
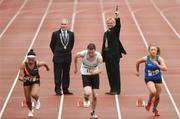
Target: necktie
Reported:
point(64, 36)
point(106, 42)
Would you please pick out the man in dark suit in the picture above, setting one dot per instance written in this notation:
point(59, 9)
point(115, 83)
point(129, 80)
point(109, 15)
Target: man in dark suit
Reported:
point(62, 42)
point(112, 50)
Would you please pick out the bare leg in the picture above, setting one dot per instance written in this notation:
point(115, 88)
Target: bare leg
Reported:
point(34, 94)
point(157, 96)
point(156, 101)
point(27, 93)
point(35, 91)
point(94, 99)
point(94, 103)
point(152, 89)
point(87, 93)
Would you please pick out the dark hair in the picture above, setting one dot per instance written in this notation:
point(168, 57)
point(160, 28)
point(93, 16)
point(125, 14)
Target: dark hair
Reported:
point(158, 49)
point(31, 52)
point(91, 46)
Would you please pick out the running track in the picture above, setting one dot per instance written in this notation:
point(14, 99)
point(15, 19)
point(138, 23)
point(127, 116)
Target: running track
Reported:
point(29, 23)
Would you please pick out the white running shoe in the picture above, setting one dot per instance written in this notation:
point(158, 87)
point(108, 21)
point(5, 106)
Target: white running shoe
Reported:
point(33, 105)
point(38, 104)
point(30, 113)
point(93, 115)
point(87, 104)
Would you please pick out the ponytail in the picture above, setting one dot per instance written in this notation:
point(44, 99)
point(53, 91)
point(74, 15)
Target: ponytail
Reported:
point(158, 50)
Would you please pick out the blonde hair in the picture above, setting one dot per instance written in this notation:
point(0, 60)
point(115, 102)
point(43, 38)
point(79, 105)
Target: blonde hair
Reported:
point(158, 49)
point(110, 19)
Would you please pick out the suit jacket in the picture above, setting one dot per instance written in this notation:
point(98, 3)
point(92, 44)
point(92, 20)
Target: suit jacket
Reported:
point(115, 48)
point(60, 53)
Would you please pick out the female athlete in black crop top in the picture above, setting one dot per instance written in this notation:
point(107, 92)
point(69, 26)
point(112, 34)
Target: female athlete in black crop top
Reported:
point(29, 74)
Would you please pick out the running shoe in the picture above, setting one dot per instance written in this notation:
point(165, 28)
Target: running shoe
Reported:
point(38, 104)
point(33, 104)
point(148, 106)
point(156, 112)
point(87, 104)
point(30, 113)
point(93, 115)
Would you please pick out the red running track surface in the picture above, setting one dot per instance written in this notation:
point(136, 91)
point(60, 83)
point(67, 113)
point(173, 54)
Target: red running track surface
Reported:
point(155, 21)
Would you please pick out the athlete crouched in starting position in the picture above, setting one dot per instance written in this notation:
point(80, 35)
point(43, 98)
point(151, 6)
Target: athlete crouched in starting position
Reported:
point(90, 69)
point(29, 75)
point(154, 63)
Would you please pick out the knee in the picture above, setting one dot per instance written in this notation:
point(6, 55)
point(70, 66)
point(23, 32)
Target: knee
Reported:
point(34, 95)
point(88, 93)
point(154, 92)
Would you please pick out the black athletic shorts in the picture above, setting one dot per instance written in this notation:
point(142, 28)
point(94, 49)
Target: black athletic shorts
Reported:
point(29, 83)
point(91, 80)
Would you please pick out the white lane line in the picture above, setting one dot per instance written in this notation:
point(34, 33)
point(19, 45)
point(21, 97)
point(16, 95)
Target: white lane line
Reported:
point(13, 18)
point(171, 98)
point(72, 28)
point(32, 43)
point(105, 28)
point(167, 9)
point(165, 19)
point(74, 14)
point(118, 107)
point(61, 107)
point(145, 42)
point(103, 15)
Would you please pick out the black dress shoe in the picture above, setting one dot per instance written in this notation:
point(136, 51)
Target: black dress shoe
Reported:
point(111, 93)
point(58, 93)
point(67, 93)
point(118, 93)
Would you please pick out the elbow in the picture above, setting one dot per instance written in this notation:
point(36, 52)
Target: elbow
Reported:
point(137, 64)
point(165, 69)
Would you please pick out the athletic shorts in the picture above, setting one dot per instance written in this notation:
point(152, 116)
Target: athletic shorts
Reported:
point(153, 80)
point(91, 80)
point(30, 83)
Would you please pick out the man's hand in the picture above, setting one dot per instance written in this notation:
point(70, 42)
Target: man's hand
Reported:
point(117, 11)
